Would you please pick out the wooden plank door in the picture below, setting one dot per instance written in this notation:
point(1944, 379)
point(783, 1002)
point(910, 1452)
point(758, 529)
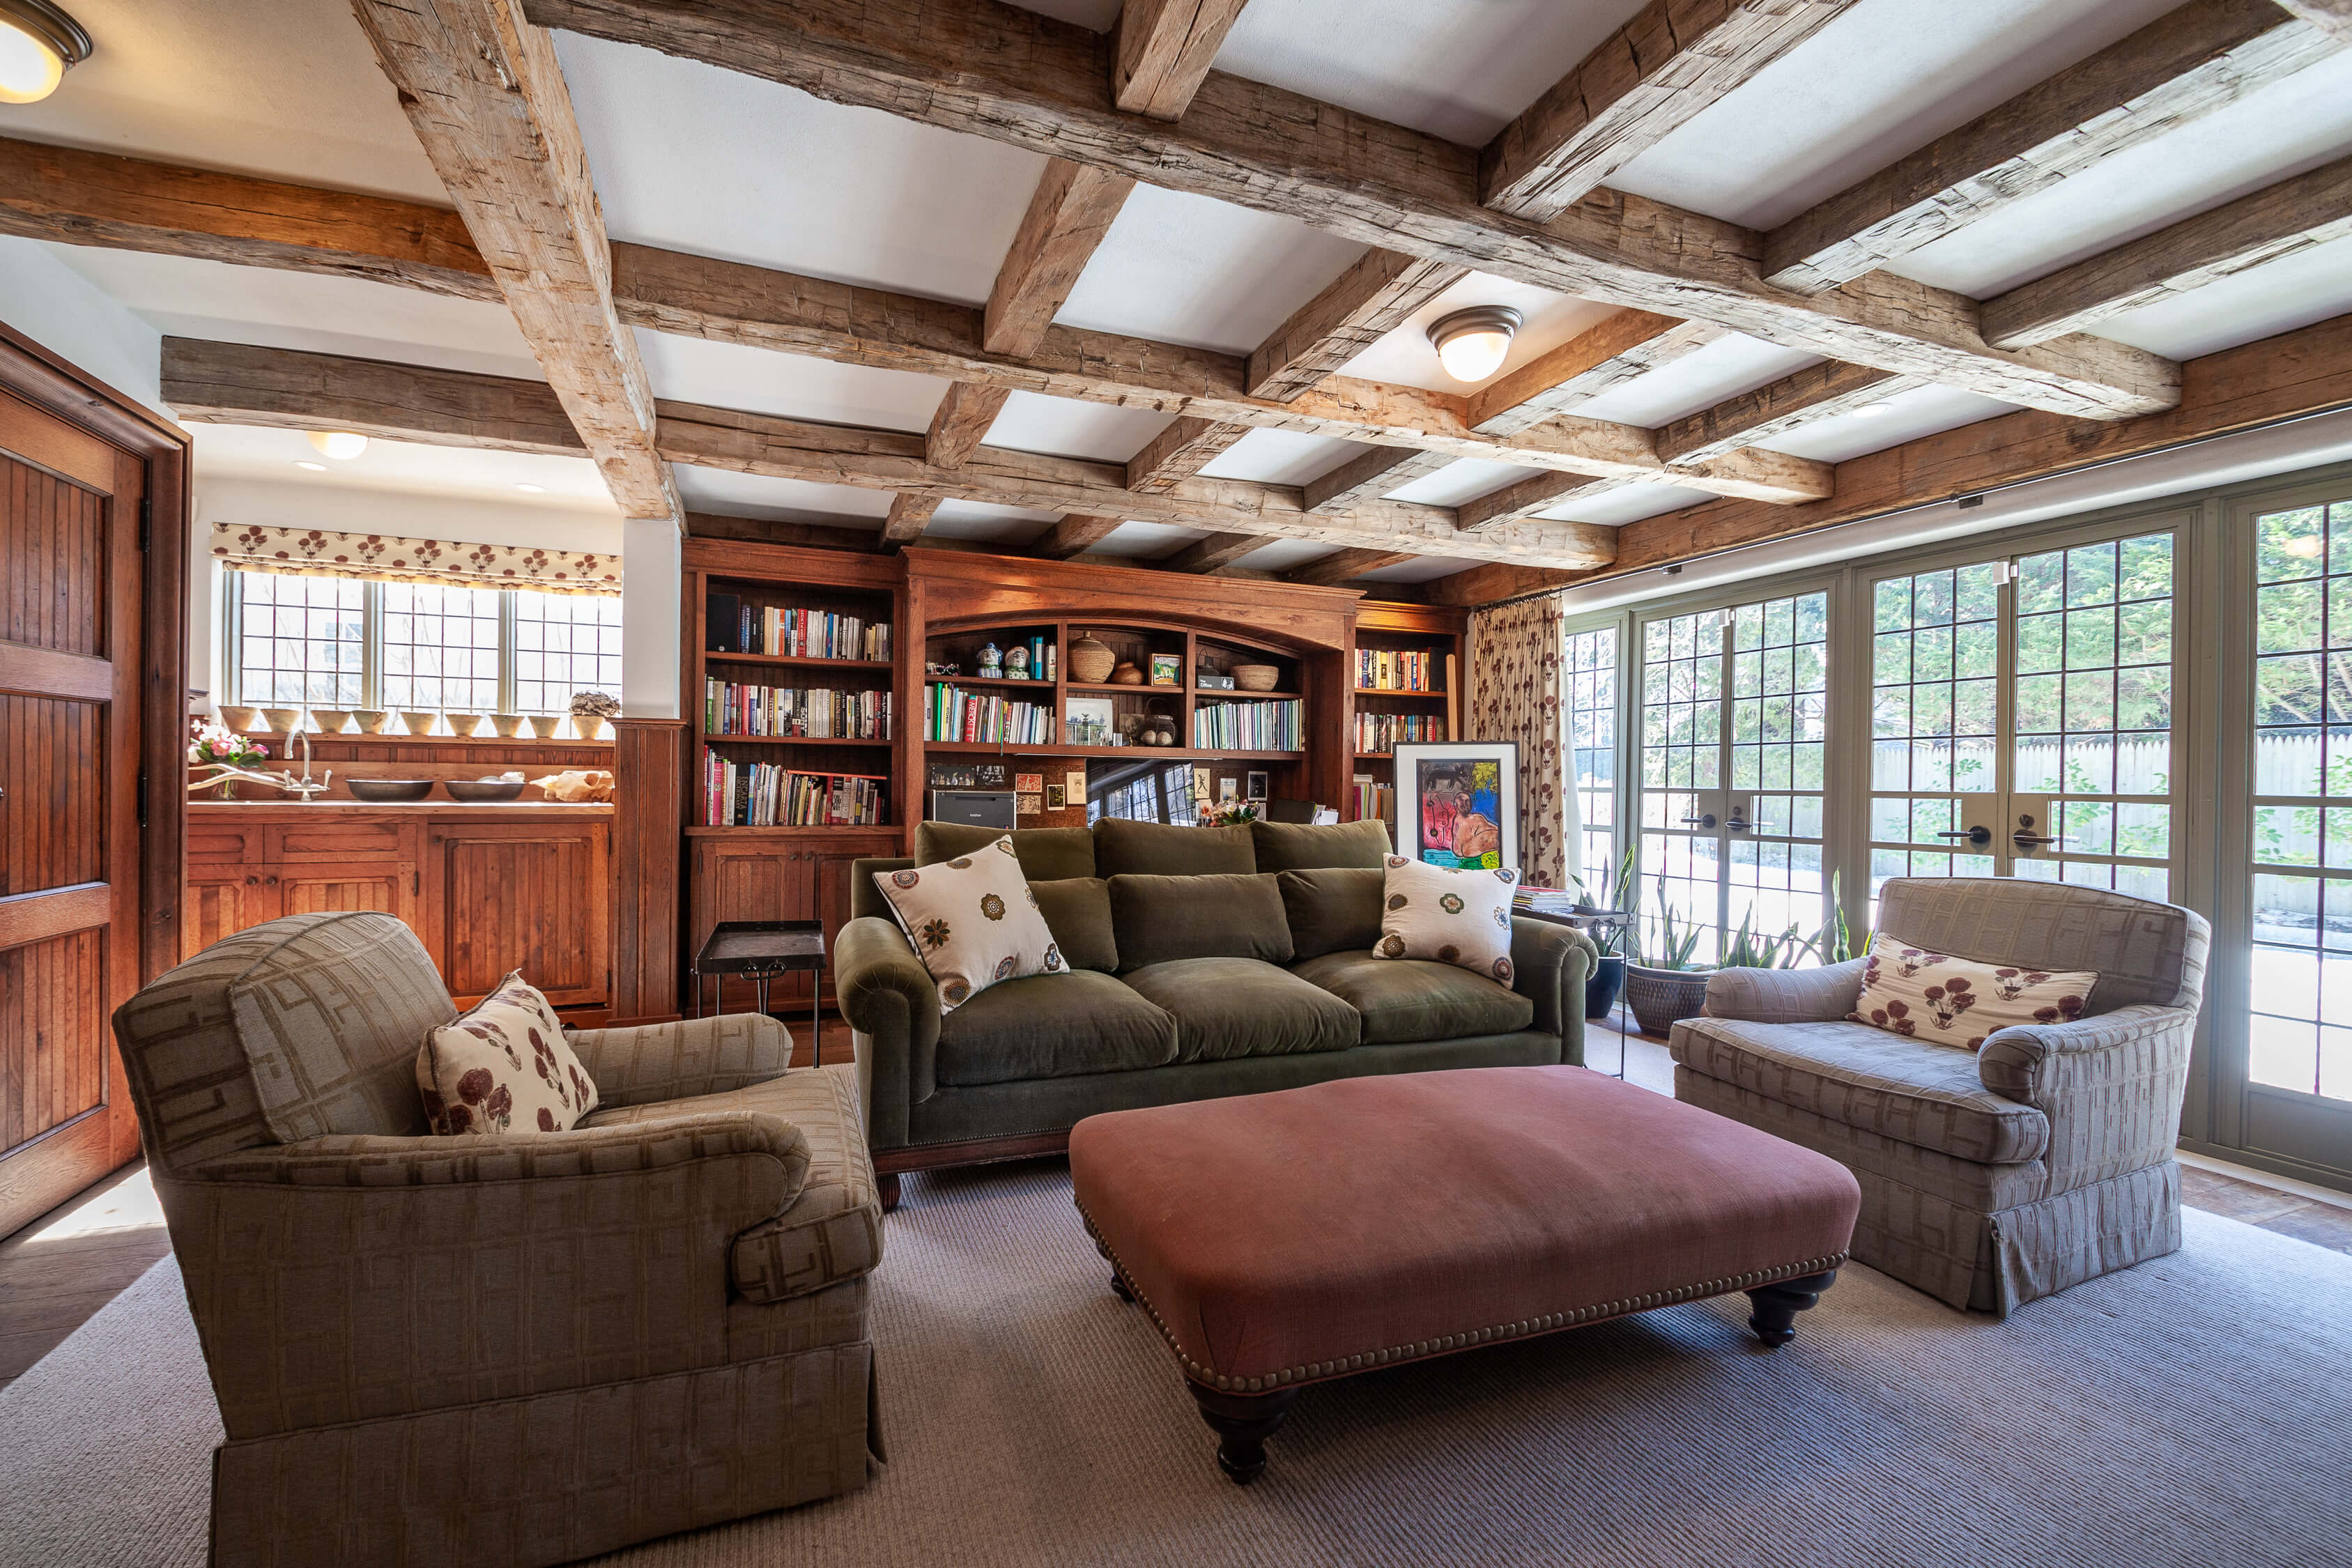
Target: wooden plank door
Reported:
point(69, 851)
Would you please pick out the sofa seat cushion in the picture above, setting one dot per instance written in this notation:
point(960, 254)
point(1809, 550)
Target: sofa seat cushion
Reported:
point(1052, 1025)
point(1915, 1093)
point(832, 1230)
point(1228, 1008)
point(1404, 1000)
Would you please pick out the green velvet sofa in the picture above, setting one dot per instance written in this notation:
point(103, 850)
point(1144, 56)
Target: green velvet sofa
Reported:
point(1204, 962)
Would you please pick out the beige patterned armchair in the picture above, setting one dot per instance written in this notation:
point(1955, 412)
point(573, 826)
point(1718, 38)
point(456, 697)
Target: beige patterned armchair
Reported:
point(510, 1350)
point(1992, 1178)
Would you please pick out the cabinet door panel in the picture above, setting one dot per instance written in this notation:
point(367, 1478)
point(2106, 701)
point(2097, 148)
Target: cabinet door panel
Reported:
point(510, 896)
point(222, 901)
point(339, 838)
point(759, 881)
point(308, 888)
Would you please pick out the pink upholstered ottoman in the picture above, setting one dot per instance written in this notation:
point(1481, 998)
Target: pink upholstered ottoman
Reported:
point(1283, 1239)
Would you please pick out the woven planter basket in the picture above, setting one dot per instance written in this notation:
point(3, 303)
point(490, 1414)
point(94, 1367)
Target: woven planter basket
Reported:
point(1662, 997)
point(1256, 676)
point(1091, 661)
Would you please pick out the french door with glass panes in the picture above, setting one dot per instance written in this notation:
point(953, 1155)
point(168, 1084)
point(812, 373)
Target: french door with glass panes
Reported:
point(1732, 730)
point(2021, 716)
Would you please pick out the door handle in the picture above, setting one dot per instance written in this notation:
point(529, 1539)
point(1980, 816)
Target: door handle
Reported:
point(1980, 833)
point(1705, 819)
point(2026, 838)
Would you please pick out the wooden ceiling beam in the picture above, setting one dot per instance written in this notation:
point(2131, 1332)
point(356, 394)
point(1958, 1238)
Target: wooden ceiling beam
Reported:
point(993, 70)
point(1179, 452)
point(1613, 352)
point(1808, 396)
point(1162, 50)
point(906, 519)
point(1517, 502)
point(1068, 213)
point(2186, 64)
point(1372, 476)
point(2333, 18)
point(962, 421)
point(233, 383)
point(771, 531)
point(1345, 566)
point(2278, 220)
point(1074, 535)
point(1217, 551)
point(1671, 60)
point(485, 94)
point(1372, 299)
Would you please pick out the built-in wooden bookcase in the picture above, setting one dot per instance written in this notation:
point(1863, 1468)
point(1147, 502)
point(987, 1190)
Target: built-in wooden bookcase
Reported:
point(1412, 693)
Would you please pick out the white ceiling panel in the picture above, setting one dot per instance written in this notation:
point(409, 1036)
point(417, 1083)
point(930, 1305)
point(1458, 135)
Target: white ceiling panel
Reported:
point(1883, 79)
point(306, 310)
point(1281, 457)
point(724, 164)
point(732, 494)
point(255, 87)
point(1421, 569)
point(791, 387)
point(1186, 270)
point(1406, 356)
point(1923, 411)
point(987, 523)
point(1065, 427)
point(401, 467)
point(1286, 554)
point(2284, 129)
point(1631, 504)
point(1461, 72)
point(1725, 368)
point(1146, 541)
point(2311, 286)
point(1460, 481)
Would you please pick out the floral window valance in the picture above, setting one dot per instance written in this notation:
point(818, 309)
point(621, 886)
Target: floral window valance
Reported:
point(386, 558)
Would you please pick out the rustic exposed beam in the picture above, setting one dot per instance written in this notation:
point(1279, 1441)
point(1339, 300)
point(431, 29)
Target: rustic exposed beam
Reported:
point(1074, 535)
point(127, 204)
point(2278, 220)
point(960, 423)
point(1030, 80)
point(1163, 50)
point(1345, 566)
point(2333, 18)
point(1673, 59)
point(908, 517)
point(233, 384)
point(485, 94)
point(1372, 476)
point(1805, 398)
point(769, 531)
point(1217, 551)
point(2184, 65)
point(1513, 503)
point(1179, 452)
point(1372, 299)
point(1613, 352)
point(1068, 216)
point(2290, 377)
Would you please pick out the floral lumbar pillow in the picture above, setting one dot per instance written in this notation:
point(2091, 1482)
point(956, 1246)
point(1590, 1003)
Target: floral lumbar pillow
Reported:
point(1453, 916)
point(505, 1067)
point(1948, 1001)
point(973, 922)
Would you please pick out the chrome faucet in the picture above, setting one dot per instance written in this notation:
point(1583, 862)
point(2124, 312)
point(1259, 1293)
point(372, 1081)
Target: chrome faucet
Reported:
point(284, 779)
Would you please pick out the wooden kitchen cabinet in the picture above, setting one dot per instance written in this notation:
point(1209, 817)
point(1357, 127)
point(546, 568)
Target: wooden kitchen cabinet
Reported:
point(775, 874)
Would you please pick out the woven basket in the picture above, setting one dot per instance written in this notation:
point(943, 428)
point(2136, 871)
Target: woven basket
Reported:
point(1256, 676)
point(1091, 661)
point(1662, 997)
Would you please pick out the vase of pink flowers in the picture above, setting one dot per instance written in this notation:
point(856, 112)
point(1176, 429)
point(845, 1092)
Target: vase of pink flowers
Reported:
point(217, 744)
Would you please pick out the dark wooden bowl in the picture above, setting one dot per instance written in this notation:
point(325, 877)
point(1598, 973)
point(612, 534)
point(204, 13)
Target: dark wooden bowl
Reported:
point(390, 789)
point(479, 790)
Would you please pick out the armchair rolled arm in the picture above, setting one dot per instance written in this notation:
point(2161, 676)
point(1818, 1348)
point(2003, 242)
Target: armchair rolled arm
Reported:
point(1549, 965)
point(1821, 995)
point(891, 1002)
point(656, 1062)
point(2111, 1086)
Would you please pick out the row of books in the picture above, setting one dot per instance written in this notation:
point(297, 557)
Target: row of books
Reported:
point(1373, 801)
point(951, 713)
point(1382, 731)
point(1393, 669)
point(811, 634)
point(817, 712)
point(763, 795)
point(1248, 726)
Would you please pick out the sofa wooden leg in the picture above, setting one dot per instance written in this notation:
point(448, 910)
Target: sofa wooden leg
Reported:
point(1777, 1305)
point(1119, 1288)
point(1243, 1422)
point(888, 1181)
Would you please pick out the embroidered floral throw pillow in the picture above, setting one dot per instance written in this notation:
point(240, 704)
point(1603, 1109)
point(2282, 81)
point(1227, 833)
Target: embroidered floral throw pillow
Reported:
point(973, 922)
point(1948, 1001)
point(505, 1067)
point(1461, 917)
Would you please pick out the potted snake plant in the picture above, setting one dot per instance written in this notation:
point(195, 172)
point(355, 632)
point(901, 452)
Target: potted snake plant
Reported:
point(1663, 985)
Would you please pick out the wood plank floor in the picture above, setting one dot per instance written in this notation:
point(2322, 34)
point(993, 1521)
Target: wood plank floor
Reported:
point(60, 1270)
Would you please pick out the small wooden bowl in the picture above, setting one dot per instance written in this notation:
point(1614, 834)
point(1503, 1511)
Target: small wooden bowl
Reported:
point(418, 723)
point(1256, 676)
point(507, 724)
point(282, 721)
point(372, 721)
point(241, 720)
point(332, 720)
point(544, 725)
point(467, 724)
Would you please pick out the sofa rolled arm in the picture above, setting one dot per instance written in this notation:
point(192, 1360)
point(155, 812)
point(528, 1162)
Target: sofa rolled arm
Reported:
point(892, 1002)
point(1823, 995)
point(1549, 965)
point(2111, 1086)
point(655, 1062)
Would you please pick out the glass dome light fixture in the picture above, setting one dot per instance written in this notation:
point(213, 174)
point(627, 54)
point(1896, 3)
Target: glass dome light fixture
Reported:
point(341, 445)
point(1874, 410)
point(38, 43)
point(1471, 343)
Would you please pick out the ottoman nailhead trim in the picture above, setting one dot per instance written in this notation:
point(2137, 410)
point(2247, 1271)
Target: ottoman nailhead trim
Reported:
point(1314, 1370)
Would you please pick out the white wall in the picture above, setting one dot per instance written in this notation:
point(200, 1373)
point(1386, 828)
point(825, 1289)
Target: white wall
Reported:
point(60, 310)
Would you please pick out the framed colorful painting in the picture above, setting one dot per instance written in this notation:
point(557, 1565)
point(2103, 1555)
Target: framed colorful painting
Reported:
point(1458, 804)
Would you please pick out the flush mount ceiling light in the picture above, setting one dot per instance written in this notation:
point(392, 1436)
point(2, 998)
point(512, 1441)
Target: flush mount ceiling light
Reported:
point(1471, 343)
point(37, 43)
point(1872, 410)
point(341, 445)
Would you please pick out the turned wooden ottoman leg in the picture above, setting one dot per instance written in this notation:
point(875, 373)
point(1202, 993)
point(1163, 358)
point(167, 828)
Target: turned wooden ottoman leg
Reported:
point(886, 1184)
point(1777, 1305)
point(1243, 1422)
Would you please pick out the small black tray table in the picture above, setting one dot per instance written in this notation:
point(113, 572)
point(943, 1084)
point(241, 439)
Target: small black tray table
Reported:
point(758, 951)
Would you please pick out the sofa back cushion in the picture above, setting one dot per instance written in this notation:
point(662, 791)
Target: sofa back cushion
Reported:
point(1077, 910)
point(1162, 918)
point(1333, 910)
point(1047, 854)
point(1123, 849)
point(2142, 950)
point(1306, 846)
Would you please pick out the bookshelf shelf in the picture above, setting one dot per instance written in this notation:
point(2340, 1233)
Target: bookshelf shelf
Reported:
point(800, 661)
point(1392, 691)
point(714, 737)
point(1219, 693)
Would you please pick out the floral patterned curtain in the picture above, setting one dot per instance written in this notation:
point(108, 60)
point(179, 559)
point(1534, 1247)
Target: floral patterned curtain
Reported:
point(384, 558)
point(1516, 652)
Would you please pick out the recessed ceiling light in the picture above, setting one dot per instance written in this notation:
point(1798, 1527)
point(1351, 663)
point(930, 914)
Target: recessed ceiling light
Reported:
point(1872, 410)
point(533, 490)
point(1471, 343)
point(306, 463)
point(341, 445)
point(38, 42)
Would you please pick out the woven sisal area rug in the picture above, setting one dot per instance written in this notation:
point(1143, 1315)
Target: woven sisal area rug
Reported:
point(2197, 1410)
